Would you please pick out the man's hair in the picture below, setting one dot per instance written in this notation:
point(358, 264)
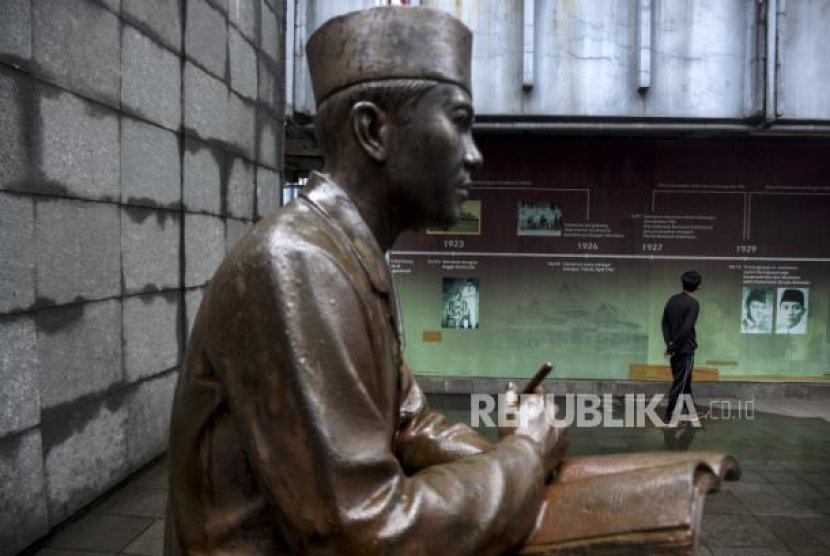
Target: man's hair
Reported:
point(756, 295)
point(395, 96)
point(691, 281)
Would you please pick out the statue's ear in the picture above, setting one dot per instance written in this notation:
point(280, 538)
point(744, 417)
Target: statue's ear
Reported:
point(369, 125)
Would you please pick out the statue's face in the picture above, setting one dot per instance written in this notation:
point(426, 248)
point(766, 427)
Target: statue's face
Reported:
point(432, 155)
point(791, 313)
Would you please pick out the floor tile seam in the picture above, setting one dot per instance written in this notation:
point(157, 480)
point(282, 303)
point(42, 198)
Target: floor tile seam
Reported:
point(80, 550)
point(132, 539)
point(131, 487)
point(123, 550)
point(145, 515)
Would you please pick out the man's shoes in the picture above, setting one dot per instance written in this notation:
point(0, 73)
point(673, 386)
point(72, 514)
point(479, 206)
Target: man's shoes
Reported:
point(695, 420)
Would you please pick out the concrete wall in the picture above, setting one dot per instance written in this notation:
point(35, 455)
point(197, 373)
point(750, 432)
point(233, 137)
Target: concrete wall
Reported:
point(804, 52)
point(138, 141)
point(589, 60)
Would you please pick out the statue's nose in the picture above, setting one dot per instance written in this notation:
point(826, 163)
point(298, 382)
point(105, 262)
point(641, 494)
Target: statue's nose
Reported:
point(472, 157)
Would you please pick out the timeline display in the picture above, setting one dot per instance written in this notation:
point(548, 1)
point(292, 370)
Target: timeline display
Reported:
point(573, 246)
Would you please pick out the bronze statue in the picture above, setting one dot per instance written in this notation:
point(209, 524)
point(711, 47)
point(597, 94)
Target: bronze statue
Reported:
point(297, 427)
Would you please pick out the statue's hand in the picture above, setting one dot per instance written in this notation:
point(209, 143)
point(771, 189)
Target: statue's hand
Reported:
point(536, 419)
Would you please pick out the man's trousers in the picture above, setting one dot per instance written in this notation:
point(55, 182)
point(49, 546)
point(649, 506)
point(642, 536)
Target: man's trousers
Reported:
point(682, 365)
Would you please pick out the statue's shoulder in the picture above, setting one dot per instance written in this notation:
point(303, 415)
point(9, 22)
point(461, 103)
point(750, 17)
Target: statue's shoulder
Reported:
point(301, 227)
point(293, 236)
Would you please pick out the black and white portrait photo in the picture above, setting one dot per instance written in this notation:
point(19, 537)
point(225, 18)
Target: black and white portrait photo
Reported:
point(757, 310)
point(460, 303)
point(791, 311)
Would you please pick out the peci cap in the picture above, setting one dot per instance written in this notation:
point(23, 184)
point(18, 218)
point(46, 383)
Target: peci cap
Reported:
point(391, 42)
point(796, 296)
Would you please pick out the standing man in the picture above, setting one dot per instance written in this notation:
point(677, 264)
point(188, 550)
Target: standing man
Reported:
point(469, 294)
point(679, 319)
point(297, 428)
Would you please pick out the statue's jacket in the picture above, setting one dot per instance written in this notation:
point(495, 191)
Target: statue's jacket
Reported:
point(298, 429)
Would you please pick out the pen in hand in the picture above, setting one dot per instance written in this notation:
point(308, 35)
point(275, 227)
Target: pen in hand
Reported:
point(537, 379)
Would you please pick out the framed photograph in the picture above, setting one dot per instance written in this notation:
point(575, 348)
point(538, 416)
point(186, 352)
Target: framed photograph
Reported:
point(459, 300)
point(791, 310)
point(539, 218)
point(757, 307)
point(469, 223)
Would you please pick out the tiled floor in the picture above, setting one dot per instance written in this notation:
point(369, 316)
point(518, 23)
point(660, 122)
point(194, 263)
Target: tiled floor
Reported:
point(128, 520)
point(780, 507)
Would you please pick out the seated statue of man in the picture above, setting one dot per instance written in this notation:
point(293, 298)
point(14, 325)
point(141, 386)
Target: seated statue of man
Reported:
point(297, 426)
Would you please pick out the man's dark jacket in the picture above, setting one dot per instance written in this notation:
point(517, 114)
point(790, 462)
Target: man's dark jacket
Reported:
point(679, 319)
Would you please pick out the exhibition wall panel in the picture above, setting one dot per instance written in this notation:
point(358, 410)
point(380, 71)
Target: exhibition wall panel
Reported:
point(568, 249)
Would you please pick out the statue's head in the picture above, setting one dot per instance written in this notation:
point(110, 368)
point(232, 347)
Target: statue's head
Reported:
point(392, 87)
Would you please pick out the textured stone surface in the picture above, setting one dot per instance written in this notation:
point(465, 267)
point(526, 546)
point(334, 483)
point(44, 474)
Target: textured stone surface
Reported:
point(267, 191)
point(235, 230)
point(150, 249)
point(243, 65)
point(148, 419)
point(206, 37)
point(56, 141)
point(17, 271)
point(151, 79)
point(242, 125)
point(16, 101)
point(19, 396)
point(203, 168)
point(64, 142)
point(150, 165)
point(78, 147)
point(221, 5)
point(241, 189)
point(274, 65)
point(206, 104)
point(23, 518)
point(15, 30)
point(85, 453)
point(79, 350)
point(271, 86)
point(204, 240)
point(270, 141)
point(77, 250)
point(243, 14)
point(151, 334)
point(114, 5)
point(270, 26)
point(278, 5)
point(77, 45)
point(162, 18)
point(192, 301)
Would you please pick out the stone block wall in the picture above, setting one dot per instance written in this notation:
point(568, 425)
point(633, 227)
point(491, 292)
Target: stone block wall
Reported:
point(139, 140)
